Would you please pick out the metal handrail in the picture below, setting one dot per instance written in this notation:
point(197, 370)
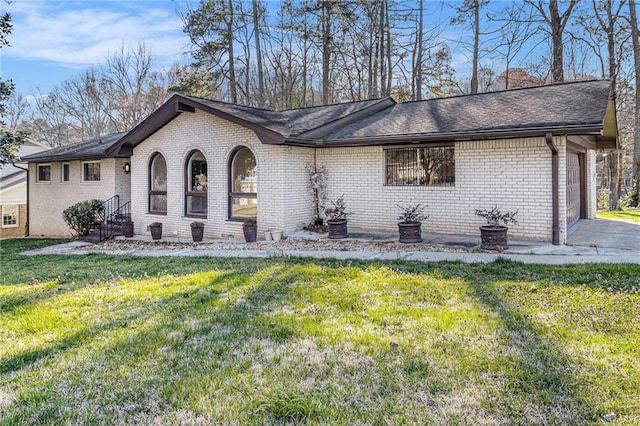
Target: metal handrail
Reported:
point(110, 207)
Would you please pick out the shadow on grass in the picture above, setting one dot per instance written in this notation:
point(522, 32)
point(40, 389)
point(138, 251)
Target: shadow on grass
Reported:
point(203, 327)
point(542, 373)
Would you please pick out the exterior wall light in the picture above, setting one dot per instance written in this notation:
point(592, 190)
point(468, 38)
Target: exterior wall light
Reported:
point(126, 167)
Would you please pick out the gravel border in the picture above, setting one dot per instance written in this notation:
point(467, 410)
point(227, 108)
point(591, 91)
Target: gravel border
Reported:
point(288, 244)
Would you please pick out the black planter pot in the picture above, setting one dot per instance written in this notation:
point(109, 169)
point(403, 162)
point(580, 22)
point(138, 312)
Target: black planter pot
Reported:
point(493, 236)
point(197, 232)
point(250, 233)
point(156, 231)
point(410, 232)
point(337, 228)
point(127, 229)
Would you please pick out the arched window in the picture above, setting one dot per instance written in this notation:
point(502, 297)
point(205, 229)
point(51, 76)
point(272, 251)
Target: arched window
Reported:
point(158, 184)
point(243, 185)
point(196, 184)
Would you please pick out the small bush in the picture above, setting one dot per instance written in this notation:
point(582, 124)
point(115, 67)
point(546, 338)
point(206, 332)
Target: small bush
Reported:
point(82, 217)
point(603, 199)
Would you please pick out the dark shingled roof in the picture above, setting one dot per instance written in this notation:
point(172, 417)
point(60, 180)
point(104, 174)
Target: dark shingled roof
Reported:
point(582, 108)
point(292, 122)
point(91, 149)
point(262, 117)
point(544, 107)
point(306, 119)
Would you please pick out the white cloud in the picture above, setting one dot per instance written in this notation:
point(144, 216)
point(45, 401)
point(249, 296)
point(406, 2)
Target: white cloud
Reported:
point(78, 34)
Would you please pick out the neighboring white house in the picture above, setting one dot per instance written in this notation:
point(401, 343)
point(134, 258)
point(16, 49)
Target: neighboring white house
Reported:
point(531, 150)
point(13, 192)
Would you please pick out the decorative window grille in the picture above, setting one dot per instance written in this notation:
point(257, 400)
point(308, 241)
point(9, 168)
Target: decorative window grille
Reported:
point(420, 166)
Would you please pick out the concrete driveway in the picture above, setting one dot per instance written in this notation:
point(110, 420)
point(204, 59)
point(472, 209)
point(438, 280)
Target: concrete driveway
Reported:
point(606, 233)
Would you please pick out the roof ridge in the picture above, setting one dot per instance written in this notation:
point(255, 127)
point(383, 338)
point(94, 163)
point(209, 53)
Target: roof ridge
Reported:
point(517, 89)
point(374, 108)
point(334, 104)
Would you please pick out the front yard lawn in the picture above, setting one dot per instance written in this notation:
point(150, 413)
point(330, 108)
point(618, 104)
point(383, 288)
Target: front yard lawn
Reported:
point(630, 214)
point(104, 339)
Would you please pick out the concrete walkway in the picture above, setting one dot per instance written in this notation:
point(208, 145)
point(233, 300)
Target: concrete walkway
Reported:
point(600, 241)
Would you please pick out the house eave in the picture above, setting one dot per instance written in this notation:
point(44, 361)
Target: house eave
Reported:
point(64, 158)
point(581, 129)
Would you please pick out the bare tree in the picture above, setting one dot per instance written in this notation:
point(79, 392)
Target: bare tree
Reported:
point(112, 98)
point(549, 13)
point(256, 13)
point(635, 37)
point(470, 12)
point(16, 109)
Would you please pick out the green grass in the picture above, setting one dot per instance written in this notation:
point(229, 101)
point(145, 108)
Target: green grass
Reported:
point(630, 214)
point(100, 339)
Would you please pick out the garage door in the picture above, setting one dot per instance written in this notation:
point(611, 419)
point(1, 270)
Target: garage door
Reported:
point(574, 188)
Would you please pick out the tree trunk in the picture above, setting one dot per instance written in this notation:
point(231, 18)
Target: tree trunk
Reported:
point(476, 46)
point(326, 49)
point(389, 58)
point(417, 67)
point(256, 30)
point(557, 71)
point(635, 36)
point(232, 69)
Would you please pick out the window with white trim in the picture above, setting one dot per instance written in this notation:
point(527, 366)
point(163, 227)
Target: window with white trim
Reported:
point(196, 185)
point(64, 173)
point(44, 173)
point(420, 166)
point(10, 216)
point(158, 184)
point(243, 185)
point(91, 171)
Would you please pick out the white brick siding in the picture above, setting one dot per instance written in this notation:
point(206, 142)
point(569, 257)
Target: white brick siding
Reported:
point(514, 174)
point(283, 201)
point(47, 200)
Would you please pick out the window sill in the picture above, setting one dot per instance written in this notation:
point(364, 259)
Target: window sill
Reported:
point(195, 216)
point(240, 219)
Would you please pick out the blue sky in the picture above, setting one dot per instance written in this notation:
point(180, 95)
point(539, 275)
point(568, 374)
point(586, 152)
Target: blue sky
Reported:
point(55, 40)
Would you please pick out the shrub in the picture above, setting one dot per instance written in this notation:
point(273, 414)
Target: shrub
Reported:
point(83, 216)
point(338, 211)
point(494, 217)
point(412, 214)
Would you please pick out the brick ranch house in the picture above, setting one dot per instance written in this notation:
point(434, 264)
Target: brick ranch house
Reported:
point(531, 150)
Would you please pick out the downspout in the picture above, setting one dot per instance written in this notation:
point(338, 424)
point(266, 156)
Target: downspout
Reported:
point(26, 234)
point(555, 193)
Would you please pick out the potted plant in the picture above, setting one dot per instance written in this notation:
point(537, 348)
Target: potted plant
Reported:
point(337, 218)
point(127, 228)
point(494, 233)
point(197, 231)
point(156, 230)
point(250, 230)
point(410, 223)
